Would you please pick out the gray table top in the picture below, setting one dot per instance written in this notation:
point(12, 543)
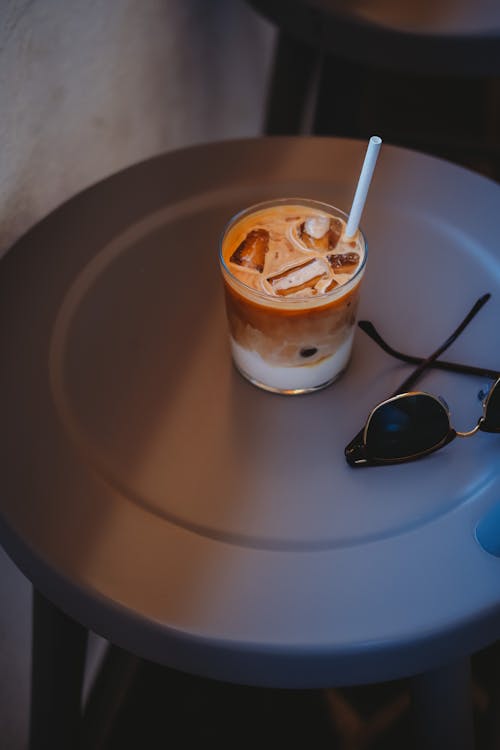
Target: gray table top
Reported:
point(177, 510)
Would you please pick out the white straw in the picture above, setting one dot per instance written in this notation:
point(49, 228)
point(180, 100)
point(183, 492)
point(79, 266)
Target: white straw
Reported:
point(365, 178)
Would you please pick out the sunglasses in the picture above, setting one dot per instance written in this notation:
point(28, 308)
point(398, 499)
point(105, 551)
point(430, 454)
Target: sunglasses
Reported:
point(411, 424)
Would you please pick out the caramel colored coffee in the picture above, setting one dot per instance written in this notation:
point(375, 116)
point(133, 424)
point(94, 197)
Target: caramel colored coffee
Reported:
point(291, 279)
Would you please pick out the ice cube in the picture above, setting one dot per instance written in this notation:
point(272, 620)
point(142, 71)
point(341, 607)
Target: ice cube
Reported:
point(252, 251)
point(320, 232)
point(313, 243)
point(343, 262)
point(297, 278)
point(335, 233)
point(316, 226)
point(331, 286)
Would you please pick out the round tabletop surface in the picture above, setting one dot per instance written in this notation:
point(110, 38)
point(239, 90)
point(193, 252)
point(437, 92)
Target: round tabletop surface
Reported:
point(174, 508)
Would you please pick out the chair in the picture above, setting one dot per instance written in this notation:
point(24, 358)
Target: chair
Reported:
point(423, 74)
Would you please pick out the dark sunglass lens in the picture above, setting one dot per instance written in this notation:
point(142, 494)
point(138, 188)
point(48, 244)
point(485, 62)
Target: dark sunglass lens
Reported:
point(406, 427)
point(492, 419)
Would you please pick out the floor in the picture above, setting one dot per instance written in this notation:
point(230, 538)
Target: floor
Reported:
point(158, 704)
point(151, 704)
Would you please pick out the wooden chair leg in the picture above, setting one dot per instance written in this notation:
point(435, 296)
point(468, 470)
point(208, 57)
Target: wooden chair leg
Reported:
point(294, 70)
point(340, 99)
point(58, 661)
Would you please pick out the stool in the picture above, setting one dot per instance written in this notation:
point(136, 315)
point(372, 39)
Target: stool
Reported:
point(424, 75)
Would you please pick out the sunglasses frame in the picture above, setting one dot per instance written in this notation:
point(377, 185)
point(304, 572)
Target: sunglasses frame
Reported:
point(357, 451)
point(482, 420)
point(450, 435)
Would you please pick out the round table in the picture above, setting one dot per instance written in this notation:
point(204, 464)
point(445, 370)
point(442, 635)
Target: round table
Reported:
point(155, 497)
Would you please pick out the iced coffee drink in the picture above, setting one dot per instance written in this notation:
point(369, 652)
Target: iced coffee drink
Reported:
point(291, 280)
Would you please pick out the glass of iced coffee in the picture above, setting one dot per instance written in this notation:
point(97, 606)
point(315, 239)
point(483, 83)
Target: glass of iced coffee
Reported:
point(292, 281)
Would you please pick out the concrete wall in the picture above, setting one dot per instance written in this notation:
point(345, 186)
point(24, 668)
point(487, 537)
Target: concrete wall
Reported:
point(90, 86)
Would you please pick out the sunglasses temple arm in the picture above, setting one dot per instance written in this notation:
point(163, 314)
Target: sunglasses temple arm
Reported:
point(426, 363)
point(356, 444)
point(370, 330)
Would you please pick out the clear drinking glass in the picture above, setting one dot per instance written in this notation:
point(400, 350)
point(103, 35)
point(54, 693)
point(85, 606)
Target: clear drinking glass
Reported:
point(287, 336)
